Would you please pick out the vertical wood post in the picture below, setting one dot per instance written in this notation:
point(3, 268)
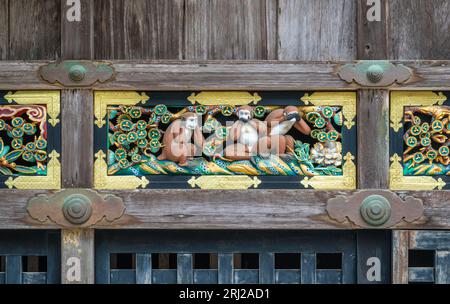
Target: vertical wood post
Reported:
point(400, 248)
point(77, 256)
point(77, 245)
point(374, 257)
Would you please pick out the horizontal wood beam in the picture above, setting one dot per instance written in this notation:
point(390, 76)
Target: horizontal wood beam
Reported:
point(226, 75)
point(231, 209)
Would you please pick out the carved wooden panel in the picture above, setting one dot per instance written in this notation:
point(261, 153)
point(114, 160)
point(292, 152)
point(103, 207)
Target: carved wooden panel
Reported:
point(30, 140)
point(225, 140)
point(420, 153)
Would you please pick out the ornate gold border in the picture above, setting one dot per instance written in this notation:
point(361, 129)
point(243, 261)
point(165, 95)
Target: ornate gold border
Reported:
point(52, 180)
point(399, 100)
point(50, 98)
point(347, 100)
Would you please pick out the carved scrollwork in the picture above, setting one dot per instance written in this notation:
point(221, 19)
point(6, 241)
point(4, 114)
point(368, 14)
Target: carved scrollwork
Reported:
point(375, 208)
point(76, 208)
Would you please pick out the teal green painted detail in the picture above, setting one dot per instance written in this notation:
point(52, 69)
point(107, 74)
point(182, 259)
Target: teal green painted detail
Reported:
point(375, 210)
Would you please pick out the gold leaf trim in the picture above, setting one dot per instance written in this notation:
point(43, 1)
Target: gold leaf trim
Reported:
point(401, 99)
point(347, 181)
point(50, 181)
point(347, 100)
point(103, 181)
point(103, 99)
point(397, 181)
point(224, 182)
point(50, 98)
point(232, 98)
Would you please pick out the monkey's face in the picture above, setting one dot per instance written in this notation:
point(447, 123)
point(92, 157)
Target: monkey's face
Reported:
point(245, 115)
point(191, 122)
point(291, 113)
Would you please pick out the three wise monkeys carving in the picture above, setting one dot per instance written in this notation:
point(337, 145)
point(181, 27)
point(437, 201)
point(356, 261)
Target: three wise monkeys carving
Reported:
point(245, 137)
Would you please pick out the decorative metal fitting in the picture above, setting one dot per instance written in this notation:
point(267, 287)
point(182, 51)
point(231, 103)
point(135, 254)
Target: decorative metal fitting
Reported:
point(375, 208)
point(77, 73)
point(76, 208)
point(379, 73)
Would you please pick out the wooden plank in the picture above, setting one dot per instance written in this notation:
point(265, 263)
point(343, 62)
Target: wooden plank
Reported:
point(328, 276)
point(442, 267)
point(139, 29)
point(245, 276)
point(164, 276)
point(123, 276)
point(184, 268)
point(429, 240)
point(372, 35)
point(34, 27)
point(205, 276)
point(13, 273)
point(266, 268)
point(373, 139)
point(77, 37)
point(400, 248)
point(373, 256)
point(288, 276)
point(143, 268)
point(34, 278)
point(421, 274)
point(77, 138)
point(308, 268)
point(317, 30)
point(217, 75)
point(225, 268)
point(222, 29)
point(419, 29)
point(77, 256)
point(4, 29)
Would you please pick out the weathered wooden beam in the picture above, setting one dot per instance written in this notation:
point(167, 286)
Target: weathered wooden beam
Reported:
point(373, 139)
point(223, 75)
point(77, 256)
point(372, 39)
point(230, 209)
point(400, 248)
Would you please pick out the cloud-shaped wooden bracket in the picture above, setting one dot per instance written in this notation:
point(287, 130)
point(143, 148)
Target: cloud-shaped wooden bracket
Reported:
point(375, 73)
point(77, 73)
point(76, 208)
point(375, 208)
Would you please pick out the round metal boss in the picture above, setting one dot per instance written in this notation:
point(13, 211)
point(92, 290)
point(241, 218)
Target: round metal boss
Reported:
point(77, 208)
point(77, 72)
point(375, 73)
point(375, 210)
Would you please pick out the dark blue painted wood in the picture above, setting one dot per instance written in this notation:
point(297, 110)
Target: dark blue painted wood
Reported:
point(225, 243)
point(442, 267)
point(34, 278)
point(308, 268)
point(225, 265)
point(328, 276)
point(246, 276)
point(164, 276)
point(266, 268)
point(287, 276)
point(123, 276)
point(205, 276)
point(421, 274)
point(13, 269)
point(2, 278)
point(144, 268)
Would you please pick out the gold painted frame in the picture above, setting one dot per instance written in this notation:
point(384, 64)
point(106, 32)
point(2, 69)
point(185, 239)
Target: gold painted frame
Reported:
point(51, 181)
point(347, 100)
point(399, 100)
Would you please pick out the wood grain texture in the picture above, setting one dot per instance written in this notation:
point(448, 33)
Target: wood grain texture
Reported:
point(373, 243)
point(226, 75)
point(400, 247)
point(419, 29)
point(317, 30)
point(34, 29)
point(223, 29)
point(77, 38)
point(77, 244)
point(373, 139)
point(371, 35)
point(77, 138)
point(4, 29)
point(139, 29)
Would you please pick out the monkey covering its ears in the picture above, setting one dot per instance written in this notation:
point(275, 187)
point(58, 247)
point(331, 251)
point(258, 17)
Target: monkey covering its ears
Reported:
point(177, 145)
